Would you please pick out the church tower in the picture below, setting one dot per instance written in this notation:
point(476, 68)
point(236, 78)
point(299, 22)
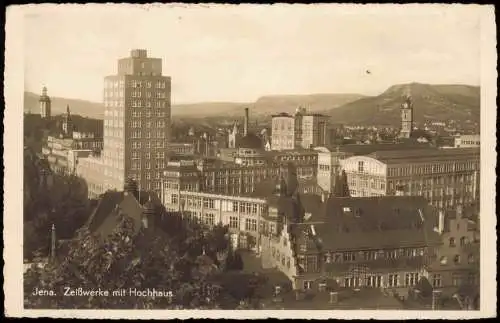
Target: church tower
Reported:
point(44, 103)
point(67, 125)
point(406, 118)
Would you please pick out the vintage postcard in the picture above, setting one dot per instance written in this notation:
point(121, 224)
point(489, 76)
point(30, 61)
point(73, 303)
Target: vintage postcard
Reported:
point(250, 161)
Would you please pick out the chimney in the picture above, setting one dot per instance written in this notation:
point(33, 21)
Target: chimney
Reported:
point(245, 125)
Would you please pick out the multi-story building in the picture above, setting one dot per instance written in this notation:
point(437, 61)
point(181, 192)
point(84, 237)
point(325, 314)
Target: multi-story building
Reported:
point(230, 178)
point(181, 175)
point(467, 141)
point(63, 153)
point(385, 243)
point(45, 104)
point(136, 121)
point(181, 149)
point(329, 158)
point(304, 160)
point(302, 130)
point(241, 214)
point(136, 125)
point(445, 177)
point(456, 269)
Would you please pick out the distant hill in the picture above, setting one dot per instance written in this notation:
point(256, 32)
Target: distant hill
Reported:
point(312, 102)
point(209, 109)
point(80, 107)
point(431, 102)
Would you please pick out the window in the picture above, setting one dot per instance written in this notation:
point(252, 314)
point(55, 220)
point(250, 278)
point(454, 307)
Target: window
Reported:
point(393, 280)
point(369, 255)
point(233, 222)
point(351, 282)
point(174, 199)
point(209, 219)
point(452, 242)
point(361, 166)
point(437, 280)
point(411, 279)
point(374, 281)
point(456, 259)
point(470, 259)
point(308, 284)
point(288, 262)
point(463, 241)
point(456, 279)
point(251, 225)
point(349, 256)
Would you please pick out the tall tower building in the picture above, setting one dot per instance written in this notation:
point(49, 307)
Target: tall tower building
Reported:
point(67, 125)
point(406, 118)
point(44, 103)
point(136, 122)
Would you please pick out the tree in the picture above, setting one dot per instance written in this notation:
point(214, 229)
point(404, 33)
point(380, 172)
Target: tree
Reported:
point(150, 259)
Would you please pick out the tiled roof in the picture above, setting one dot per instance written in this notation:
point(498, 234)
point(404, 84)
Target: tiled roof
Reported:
point(375, 223)
point(363, 149)
point(416, 154)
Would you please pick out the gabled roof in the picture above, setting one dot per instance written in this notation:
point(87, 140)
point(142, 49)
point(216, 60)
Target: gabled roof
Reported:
point(112, 205)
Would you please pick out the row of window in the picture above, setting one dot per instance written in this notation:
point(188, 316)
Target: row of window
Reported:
point(137, 134)
point(147, 155)
point(457, 279)
point(148, 113)
point(148, 145)
point(156, 95)
point(146, 124)
point(433, 168)
point(146, 84)
point(339, 257)
point(463, 240)
point(147, 104)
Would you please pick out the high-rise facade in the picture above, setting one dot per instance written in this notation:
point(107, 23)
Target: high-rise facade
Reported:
point(136, 122)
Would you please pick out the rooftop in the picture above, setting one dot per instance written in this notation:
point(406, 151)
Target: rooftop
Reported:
point(344, 223)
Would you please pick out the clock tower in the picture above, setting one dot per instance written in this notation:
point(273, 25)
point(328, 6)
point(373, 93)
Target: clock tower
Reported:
point(406, 118)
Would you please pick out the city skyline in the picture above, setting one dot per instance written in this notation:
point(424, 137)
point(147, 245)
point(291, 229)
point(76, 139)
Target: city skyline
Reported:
point(210, 62)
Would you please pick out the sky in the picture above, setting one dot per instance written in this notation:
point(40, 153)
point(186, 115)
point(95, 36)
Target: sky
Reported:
point(239, 53)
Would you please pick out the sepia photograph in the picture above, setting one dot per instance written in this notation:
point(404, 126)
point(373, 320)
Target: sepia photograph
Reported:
point(250, 161)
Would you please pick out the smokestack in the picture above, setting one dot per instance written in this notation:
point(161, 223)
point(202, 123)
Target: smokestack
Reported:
point(245, 125)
